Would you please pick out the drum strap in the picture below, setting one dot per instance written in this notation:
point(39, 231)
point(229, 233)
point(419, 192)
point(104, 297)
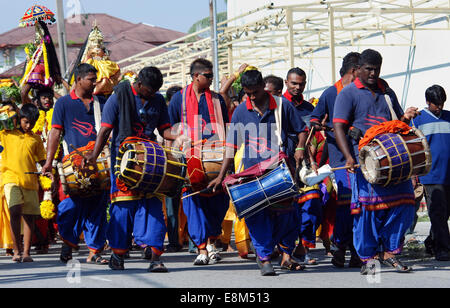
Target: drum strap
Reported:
point(278, 119)
point(391, 109)
point(97, 114)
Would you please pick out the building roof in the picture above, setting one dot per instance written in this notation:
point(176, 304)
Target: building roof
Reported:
point(122, 38)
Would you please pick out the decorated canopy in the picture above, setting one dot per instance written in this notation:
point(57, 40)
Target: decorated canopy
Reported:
point(36, 13)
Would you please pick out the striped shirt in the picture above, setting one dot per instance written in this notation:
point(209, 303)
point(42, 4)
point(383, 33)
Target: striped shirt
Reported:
point(437, 131)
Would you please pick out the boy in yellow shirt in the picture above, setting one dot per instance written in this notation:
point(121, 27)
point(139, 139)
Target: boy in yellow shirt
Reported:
point(22, 149)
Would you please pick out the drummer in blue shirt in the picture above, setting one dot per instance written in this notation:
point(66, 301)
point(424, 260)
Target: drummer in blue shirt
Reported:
point(252, 125)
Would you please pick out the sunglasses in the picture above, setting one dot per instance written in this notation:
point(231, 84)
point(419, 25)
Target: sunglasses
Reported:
point(207, 75)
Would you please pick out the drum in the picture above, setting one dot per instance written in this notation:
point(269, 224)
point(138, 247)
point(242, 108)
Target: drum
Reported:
point(87, 181)
point(390, 159)
point(146, 166)
point(255, 195)
point(204, 161)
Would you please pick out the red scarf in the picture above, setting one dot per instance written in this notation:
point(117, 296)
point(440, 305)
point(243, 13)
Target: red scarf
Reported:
point(189, 117)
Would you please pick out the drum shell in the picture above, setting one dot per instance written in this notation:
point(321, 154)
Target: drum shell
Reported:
point(380, 165)
point(85, 182)
point(253, 196)
point(159, 180)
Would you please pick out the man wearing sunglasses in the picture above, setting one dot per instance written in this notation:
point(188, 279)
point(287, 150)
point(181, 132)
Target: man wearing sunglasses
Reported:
point(134, 110)
point(203, 115)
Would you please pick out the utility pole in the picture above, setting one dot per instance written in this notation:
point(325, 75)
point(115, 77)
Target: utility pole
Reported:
point(214, 43)
point(61, 27)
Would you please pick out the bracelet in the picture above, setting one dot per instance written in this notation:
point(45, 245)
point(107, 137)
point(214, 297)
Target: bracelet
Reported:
point(302, 149)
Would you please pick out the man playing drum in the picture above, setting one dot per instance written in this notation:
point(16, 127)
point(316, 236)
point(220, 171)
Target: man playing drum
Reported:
point(253, 125)
point(203, 114)
point(74, 117)
point(382, 214)
point(134, 110)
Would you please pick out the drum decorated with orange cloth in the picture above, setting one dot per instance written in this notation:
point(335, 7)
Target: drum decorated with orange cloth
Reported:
point(204, 160)
point(85, 181)
point(392, 158)
point(146, 166)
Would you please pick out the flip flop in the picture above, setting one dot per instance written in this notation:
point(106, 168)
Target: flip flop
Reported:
point(97, 259)
point(27, 259)
point(17, 259)
point(399, 266)
point(292, 266)
point(157, 267)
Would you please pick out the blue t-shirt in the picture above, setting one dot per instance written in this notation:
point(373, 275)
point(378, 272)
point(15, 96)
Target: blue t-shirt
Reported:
point(175, 112)
point(303, 110)
point(437, 132)
point(356, 106)
point(75, 120)
point(323, 107)
point(157, 118)
point(257, 132)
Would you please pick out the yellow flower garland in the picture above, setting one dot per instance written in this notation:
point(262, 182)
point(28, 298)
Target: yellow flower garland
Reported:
point(47, 209)
point(39, 126)
point(45, 182)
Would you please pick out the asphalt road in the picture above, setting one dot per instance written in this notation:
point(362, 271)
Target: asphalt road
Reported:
point(47, 271)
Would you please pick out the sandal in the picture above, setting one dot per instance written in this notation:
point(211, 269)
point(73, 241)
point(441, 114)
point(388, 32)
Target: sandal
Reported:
point(116, 262)
point(292, 266)
point(17, 259)
point(147, 253)
point(395, 263)
point(66, 253)
point(97, 259)
point(201, 260)
point(27, 259)
point(157, 267)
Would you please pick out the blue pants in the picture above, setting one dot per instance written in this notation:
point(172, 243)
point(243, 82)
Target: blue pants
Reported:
point(143, 219)
point(311, 215)
point(205, 216)
point(343, 226)
point(382, 227)
point(88, 215)
point(271, 227)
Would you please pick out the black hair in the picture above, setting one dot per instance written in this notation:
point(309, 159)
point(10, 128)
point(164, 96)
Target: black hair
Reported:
point(436, 95)
point(151, 76)
point(171, 91)
point(275, 80)
point(252, 78)
point(29, 111)
point(297, 71)
point(83, 70)
point(370, 56)
point(46, 92)
point(350, 61)
point(200, 65)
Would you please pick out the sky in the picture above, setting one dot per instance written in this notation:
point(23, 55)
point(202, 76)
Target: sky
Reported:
point(176, 15)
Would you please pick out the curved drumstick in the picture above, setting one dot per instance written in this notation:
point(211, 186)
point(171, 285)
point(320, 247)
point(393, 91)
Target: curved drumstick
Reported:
point(203, 191)
point(344, 167)
point(78, 151)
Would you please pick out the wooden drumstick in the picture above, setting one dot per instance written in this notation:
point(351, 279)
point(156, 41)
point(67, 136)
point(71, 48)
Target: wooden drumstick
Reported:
point(344, 167)
point(203, 191)
point(78, 151)
point(33, 173)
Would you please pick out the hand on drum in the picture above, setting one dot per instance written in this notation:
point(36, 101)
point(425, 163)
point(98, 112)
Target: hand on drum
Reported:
point(181, 142)
point(89, 159)
point(215, 184)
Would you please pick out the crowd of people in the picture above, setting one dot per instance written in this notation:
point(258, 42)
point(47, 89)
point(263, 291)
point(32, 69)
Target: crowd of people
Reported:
point(344, 211)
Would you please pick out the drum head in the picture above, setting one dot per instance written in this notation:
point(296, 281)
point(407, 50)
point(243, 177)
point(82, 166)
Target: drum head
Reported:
point(124, 161)
point(370, 165)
